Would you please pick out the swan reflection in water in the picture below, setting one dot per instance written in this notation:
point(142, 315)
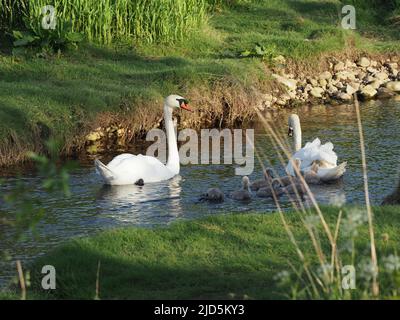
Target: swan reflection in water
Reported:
point(142, 204)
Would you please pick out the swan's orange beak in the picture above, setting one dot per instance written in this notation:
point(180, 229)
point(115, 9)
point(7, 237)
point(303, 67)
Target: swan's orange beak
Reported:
point(185, 106)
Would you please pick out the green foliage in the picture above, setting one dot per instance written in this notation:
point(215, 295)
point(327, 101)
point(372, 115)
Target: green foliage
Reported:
point(373, 14)
point(374, 4)
point(39, 39)
point(219, 4)
point(323, 280)
point(107, 21)
point(11, 13)
point(259, 50)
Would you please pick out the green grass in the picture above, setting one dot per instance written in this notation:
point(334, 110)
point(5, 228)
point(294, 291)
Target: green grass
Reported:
point(225, 256)
point(61, 95)
point(107, 21)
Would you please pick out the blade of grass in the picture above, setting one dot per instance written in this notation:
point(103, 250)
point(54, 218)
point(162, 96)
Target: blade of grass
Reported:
point(374, 259)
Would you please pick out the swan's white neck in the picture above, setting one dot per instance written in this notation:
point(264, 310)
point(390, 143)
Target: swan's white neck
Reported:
point(297, 136)
point(173, 154)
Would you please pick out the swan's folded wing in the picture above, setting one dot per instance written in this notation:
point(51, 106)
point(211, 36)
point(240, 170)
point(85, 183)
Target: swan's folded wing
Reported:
point(305, 154)
point(316, 143)
point(311, 152)
point(114, 163)
point(331, 174)
point(315, 151)
point(308, 153)
point(327, 154)
point(148, 168)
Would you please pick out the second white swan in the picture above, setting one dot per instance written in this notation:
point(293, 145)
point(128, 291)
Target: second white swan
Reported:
point(314, 153)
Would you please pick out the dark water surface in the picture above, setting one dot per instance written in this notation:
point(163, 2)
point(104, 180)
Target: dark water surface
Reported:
point(93, 207)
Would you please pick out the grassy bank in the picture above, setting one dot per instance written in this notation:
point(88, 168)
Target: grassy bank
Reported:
point(229, 256)
point(65, 95)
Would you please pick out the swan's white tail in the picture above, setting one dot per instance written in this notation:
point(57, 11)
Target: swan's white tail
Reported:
point(333, 173)
point(103, 171)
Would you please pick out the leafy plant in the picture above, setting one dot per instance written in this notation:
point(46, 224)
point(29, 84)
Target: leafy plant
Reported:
point(36, 37)
point(259, 50)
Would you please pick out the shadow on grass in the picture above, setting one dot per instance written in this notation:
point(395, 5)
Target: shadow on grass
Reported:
point(93, 80)
point(371, 18)
point(191, 260)
point(284, 27)
point(12, 117)
point(319, 12)
point(119, 279)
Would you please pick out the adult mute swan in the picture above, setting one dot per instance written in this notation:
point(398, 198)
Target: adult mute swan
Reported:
point(314, 153)
point(130, 169)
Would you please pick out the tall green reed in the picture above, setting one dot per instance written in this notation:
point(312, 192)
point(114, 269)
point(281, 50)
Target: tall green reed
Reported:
point(11, 13)
point(106, 21)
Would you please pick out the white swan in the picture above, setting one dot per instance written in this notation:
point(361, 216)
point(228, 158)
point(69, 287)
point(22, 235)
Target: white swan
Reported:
point(129, 169)
point(314, 153)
